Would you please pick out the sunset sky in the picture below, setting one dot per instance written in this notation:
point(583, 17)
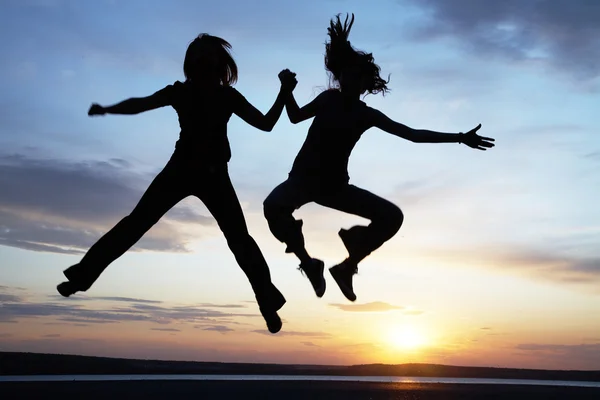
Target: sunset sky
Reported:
point(497, 262)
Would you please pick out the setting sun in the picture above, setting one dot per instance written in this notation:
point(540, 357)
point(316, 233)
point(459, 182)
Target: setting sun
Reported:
point(407, 337)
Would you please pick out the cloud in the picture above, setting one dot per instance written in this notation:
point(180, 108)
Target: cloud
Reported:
point(218, 328)
point(310, 344)
point(212, 305)
point(52, 335)
point(5, 335)
point(165, 329)
point(557, 267)
point(561, 34)
point(594, 155)
point(377, 306)
point(9, 298)
point(549, 265)
point(128, 300)
point(134, 310)
point(320, 335)
point(485, 328)
point(64, 207)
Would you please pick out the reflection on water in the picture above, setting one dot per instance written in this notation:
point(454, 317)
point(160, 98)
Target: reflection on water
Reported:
point(393, 379)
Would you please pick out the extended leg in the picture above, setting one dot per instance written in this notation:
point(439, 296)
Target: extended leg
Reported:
point(163, 193)
point(221, 200)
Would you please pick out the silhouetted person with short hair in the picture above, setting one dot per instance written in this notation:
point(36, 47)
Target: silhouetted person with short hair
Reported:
point(320, 171)
point(204, 103)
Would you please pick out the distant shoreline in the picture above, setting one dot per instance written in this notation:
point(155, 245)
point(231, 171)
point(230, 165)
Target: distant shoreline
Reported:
point(266, 390)
point(13, 363)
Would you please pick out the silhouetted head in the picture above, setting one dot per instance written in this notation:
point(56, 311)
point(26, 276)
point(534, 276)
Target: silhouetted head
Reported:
point(208, 59)
point(354, 70)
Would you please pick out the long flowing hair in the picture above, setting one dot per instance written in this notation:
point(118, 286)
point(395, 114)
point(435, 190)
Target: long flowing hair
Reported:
point(340, 54)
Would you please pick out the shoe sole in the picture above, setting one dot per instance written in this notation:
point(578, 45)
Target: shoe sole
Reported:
point(346, 291)
point(66, 289)
point(320, 291)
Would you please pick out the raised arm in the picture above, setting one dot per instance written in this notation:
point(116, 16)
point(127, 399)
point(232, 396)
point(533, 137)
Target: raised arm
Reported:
point(471, 139)
point(251, 115)
point(135, 105)
point(297, 114)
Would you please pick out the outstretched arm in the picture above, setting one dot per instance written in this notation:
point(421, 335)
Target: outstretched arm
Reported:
point(297, 114)
point(134, 105)
point(254, 117)
point(471, 139)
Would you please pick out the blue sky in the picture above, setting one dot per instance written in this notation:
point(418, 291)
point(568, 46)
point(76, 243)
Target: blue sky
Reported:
point(505, 239)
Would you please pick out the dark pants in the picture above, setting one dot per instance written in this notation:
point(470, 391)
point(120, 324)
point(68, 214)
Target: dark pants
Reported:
point(181, 178)
point(386, 218)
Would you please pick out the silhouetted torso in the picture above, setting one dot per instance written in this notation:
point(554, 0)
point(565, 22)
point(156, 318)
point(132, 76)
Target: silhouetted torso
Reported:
point(335, 130)
point(203, 113)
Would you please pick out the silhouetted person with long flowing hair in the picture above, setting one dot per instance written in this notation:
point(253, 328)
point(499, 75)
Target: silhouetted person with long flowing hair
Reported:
point(320, 171)
point(204, 103)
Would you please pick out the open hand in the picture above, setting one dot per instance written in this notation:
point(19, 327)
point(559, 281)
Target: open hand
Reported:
point(96, 109)
point(472, 139)
point(288, 79)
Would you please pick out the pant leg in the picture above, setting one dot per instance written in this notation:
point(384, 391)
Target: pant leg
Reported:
point(386, 218)
point(278, 208)
point(219, 196)
point(165, 191)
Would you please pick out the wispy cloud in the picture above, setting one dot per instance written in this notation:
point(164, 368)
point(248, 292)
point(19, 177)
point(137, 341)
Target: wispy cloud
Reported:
point(560, 34)
point(320, 335)
point(376, 306)
point(126, 310)
point(555, 265)
point(218, 328)
point(165, 329)
point(63, 207)
point(213, 305)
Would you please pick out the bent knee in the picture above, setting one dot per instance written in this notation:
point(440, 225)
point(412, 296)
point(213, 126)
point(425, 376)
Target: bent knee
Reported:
point(392, 218)
point(273, 209)
point(269, 205)
point(396, 219)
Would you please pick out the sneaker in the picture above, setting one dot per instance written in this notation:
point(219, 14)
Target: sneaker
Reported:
point(66, 289)
point(342, 273)
point(314, 272)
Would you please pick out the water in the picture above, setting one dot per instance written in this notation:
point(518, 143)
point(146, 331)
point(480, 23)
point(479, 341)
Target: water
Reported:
point(391, 379)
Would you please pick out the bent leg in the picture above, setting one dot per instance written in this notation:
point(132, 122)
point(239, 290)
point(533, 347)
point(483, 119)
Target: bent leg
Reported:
point(164, 192)
point(220, 198)
point(278, 208)
point(386, 219)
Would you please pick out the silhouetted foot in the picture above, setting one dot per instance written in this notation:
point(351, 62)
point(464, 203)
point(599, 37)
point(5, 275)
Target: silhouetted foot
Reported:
point(273, 321)
point(314, 272)
point(342, 273)
point(66, 288)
